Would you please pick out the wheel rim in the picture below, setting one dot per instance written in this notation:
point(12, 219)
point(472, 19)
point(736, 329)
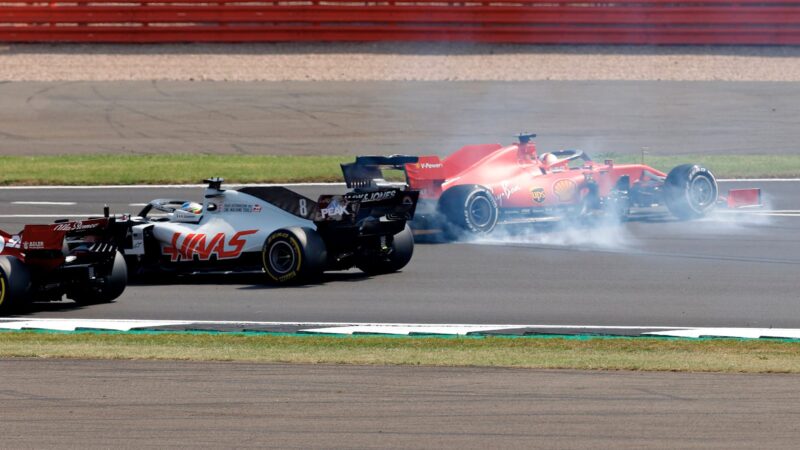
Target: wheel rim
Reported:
point(701, 192)
point(281, 257)
point(480, 211)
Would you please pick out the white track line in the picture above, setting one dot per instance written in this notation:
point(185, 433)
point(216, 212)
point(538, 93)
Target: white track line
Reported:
point(755, 180)
point(45, 203)
point(358, 324)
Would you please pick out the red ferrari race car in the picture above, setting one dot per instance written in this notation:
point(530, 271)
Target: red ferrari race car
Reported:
point(480, 186)
point(45, 262)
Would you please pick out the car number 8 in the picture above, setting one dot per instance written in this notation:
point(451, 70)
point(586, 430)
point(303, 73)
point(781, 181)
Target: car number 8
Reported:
point(303, 207)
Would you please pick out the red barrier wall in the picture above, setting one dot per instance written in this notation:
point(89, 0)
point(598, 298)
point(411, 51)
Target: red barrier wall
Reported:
point(518, 21)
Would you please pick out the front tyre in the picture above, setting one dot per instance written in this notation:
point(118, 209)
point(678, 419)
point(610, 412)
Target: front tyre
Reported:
point(113, 285)
point(293, 255)
point(470, 208)
point(397, 256)
point(14, 283)
point(690, 191)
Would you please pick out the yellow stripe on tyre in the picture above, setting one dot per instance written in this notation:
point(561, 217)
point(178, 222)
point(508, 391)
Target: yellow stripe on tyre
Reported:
point(2, 288)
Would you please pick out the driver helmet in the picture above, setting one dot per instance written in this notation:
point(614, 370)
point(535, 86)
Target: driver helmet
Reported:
point(192, 207)
point(549, 159)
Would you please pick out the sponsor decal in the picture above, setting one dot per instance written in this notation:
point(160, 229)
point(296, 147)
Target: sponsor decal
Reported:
point(33, 245)
point(408, 201)
point(76, 226)
point(240, 208)
point(508, 190)
point(185, 246)
point(565, 190)
point(427, 165)
point(2, 244)
point(538, 195)
point(336, 208)
point(367, 197)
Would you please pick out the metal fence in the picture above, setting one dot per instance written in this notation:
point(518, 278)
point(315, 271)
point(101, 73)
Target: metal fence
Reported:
point(519, 21)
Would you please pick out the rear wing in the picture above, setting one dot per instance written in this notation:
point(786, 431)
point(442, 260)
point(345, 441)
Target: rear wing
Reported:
point(51, 236)
point(367, 171)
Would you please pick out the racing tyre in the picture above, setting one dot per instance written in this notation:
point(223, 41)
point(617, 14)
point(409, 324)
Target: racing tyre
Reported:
point(690, 191)
point(14, 283)
point(113, 286)
point(293, 255)
point(470, 208)
point(399, 255)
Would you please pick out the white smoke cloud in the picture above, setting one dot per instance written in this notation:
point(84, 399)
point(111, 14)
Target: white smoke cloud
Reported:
point(605, 232)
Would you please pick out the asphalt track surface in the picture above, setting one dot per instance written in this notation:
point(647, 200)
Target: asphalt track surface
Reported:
point(732, 270)
point(146, 404)
point(396, 117)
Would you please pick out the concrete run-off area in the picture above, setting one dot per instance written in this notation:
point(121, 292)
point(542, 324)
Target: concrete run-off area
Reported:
point(105, 404)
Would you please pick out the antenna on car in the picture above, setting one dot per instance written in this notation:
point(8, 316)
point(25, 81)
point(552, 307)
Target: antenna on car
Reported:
point(525, 137)
point(214, 183)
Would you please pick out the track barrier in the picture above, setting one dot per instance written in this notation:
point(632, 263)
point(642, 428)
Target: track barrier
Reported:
point(732, 22)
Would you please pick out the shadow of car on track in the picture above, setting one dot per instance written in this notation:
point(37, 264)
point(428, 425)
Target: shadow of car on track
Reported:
point(250, 280)
point(45, 307)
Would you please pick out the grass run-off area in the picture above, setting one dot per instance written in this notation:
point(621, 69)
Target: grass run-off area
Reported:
point(104, 169)
point(590, 353)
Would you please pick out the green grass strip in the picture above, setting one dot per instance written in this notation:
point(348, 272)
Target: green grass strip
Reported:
point(105, 169)
point(650, 354)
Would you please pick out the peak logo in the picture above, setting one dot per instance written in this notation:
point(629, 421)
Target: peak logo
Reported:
point(334, 209)
point(185, 246)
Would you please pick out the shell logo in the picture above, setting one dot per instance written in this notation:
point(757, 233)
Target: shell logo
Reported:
point(565, 190)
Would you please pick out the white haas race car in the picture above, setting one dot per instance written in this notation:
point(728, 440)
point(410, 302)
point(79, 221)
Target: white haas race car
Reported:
point(289, 237)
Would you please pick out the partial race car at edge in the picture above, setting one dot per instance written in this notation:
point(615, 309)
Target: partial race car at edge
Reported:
point(79, 259)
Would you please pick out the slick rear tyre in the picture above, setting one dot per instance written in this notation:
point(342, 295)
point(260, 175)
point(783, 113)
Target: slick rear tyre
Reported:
point(293, 255)
point(14, 283)
point(113, 286)
point(402, 249)
point(470, 208)
point(690, 191)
